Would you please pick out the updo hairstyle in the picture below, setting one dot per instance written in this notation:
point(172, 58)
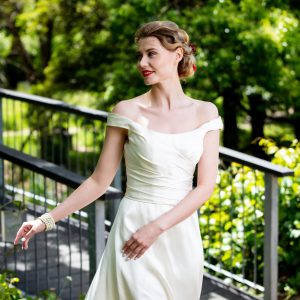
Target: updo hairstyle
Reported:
point(171, 37)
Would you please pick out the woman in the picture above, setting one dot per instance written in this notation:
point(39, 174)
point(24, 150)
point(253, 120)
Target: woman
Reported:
point(154, 249)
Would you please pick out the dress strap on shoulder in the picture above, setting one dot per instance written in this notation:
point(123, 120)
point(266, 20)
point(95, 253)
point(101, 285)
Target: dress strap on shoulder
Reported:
point(214, 124)
point(117, 120)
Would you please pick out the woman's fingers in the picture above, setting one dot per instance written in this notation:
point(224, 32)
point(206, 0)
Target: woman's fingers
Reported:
point(26, 238)
point(134, 251)
point(128, 246)
point(25, 243)
point(22, 231)
point(138, 252)
point(141, 251)
point(27, 230)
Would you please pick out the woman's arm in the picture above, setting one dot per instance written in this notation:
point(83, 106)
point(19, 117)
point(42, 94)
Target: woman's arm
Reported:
point(98, 182)
point(90, 190)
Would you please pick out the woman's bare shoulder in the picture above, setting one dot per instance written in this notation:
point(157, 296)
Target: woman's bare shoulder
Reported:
point(127, 108)
point(207, 110)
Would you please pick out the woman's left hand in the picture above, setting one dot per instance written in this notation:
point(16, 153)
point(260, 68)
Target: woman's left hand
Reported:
point(141, 240)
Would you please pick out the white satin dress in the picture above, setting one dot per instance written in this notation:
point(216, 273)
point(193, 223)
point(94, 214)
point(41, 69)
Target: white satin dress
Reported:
point(159, 169)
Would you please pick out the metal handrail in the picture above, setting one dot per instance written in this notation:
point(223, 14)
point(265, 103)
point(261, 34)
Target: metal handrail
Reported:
point(54, 104)
point(254, 162)
point(50, 170)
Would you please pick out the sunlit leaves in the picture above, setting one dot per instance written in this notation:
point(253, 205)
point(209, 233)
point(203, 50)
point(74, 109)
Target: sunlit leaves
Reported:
point(232, 221)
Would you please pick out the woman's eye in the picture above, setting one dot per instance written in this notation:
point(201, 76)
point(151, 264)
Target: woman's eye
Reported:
point(150, 54)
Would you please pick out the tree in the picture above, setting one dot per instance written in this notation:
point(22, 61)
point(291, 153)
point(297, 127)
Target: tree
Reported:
point(247, 57)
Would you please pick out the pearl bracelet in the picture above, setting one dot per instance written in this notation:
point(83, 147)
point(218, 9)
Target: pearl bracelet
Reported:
point(48, 221)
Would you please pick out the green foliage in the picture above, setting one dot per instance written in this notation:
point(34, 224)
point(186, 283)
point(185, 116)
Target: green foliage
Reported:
point(289, 214)
point(9, 291)
point(7, 288)
point(232, 222)
point(244, 47)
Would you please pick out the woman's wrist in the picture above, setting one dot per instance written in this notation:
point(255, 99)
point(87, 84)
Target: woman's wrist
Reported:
point(48, 220)
point(42, 223)
point(159, 226)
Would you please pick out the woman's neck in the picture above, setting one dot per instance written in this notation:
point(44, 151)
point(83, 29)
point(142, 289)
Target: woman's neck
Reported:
point(166, 96)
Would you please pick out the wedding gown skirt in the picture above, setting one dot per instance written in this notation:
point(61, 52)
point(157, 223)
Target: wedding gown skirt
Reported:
point(159, 168)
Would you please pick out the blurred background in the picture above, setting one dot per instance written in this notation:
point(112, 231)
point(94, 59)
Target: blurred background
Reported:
point(82, 52)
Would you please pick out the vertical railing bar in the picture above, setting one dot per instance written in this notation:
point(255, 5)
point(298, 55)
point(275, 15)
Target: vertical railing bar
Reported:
point(231, 220)
point(33, 132)
point(2, 170)
point(14, 125)
point(68, 136)
point(94, 144)
point(220, 231)
point(35, 238)
point(70, 252)
point(100, 227)
point(271, 237)
point(85, 150)
point(24, 204)
point(21, 126)
point(80, 251)
point(57, 240)
point(255, 230)
point(209, 233)
point(39, 138)
point(7, 120)
point(243, 222)
point(5, 243)
point(60, 132)
point(13, 199)
point(46, 234)
point(52, 132)
point(77, 143)
point(45, 135)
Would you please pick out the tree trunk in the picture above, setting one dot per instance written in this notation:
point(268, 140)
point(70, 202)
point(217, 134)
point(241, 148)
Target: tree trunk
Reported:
point(230, 136)
point(257, 113)
point(19, 48)
point(296, 126)
point(46, 44)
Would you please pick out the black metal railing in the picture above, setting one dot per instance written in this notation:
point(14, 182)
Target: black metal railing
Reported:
point(239, 224)
point(67, 135)
point(63, 260)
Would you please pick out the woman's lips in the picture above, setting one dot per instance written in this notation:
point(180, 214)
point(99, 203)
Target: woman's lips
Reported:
point(147, 73)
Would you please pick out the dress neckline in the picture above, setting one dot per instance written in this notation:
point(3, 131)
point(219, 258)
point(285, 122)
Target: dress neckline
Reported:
point(167, 133)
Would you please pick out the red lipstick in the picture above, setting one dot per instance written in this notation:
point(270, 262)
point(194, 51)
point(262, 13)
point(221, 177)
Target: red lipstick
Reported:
point(147, 73)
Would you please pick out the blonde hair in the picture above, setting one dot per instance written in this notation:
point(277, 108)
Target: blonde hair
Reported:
point(171, 37)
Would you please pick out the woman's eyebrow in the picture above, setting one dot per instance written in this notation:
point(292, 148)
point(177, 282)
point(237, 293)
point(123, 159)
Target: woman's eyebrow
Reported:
point(146, 50)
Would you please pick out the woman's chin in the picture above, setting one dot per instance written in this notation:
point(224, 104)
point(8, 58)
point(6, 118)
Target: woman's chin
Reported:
point(149, 82)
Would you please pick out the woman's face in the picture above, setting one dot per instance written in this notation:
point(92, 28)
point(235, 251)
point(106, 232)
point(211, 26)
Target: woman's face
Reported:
point(156, 63)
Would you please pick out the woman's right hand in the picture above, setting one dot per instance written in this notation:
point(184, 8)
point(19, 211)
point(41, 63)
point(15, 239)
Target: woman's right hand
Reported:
point(28, 230)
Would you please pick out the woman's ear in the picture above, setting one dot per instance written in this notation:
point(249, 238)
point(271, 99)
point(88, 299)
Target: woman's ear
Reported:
point(179, 54)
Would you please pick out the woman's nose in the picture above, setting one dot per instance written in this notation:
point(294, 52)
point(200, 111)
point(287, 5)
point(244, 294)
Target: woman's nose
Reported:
point(143, 61)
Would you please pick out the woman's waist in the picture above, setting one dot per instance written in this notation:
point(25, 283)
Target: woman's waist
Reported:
point(155, 195)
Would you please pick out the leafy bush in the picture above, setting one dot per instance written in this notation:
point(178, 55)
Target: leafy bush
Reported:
point(9, 291)
point(232, 221)
point(289, 215)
